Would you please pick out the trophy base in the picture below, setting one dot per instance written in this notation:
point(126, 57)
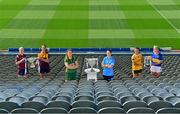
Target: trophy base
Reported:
point(32, 66)
point(92, 75)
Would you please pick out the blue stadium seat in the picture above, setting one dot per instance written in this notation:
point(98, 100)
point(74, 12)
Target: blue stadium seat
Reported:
point(115, 49)
point(125, 49)
point(27, 50)
point(35, 50)
point(94, 49)
point(85, 49)
point(62, 50)
point(145, 49)
point(54, 50)
point(13, 50)
point(76, 49)
point(103, 49)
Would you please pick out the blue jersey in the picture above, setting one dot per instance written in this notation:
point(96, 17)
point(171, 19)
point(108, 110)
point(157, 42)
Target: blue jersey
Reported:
point(156, 56)
point(108, 61)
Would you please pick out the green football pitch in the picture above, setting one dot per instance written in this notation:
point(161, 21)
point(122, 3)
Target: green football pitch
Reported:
point(89, 23)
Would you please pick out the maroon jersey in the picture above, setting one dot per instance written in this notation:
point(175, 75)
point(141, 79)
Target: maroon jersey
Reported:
point(22, 65)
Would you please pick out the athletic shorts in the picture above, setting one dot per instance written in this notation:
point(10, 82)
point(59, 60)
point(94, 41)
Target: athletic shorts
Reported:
point(22, 72)
point(156, 69)
point(137, 71)
point(108, 78)
point(71, 75)
point(44, 69)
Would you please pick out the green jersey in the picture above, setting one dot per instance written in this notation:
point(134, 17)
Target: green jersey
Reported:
point(70, 73)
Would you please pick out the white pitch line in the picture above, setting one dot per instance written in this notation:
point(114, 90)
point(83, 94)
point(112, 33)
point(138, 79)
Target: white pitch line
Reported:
point(164, 16)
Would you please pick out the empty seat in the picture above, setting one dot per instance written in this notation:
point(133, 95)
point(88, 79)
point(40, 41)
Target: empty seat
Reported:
point(108, 103)
point(59, 104)
point(3, 111)
point(24, 111)
point(123, 94)
point(159, 104)
point(32, 104)
point(41, 99)
point(98, 94)
point(84, 97)
point(133, 104)
point(128, 99)
point(84, 104)
point(173, 100)
point(82, 110)
point(144, 95)
point(168, 110)
point(141, 110)
point(17, 99)
point(101, 98)
point(9, 106)
point(112, 110)
point(62, 98)
point(151, 99)
point(53, 110)
point(164, 96)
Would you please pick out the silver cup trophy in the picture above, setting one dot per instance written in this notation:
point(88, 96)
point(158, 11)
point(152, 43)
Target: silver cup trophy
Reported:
point(147, 62)
point(92, 62)
point(31, 60)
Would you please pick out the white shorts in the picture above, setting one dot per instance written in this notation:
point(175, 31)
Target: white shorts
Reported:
point(155, 69)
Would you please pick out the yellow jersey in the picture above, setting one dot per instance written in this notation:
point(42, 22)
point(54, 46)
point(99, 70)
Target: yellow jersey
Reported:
point(43, 55)
point(137, 62)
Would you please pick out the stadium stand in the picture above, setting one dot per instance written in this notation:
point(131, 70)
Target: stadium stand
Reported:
point(85, 50)
point(122, 95)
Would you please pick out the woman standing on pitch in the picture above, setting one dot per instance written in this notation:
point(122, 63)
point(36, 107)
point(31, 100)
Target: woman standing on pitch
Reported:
point(43, 62)
point(108, 64)
point(137, 63)
point(21, 63)
point(71, 65)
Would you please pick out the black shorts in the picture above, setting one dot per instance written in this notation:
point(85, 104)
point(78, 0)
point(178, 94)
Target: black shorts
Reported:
point(44, 69)
point(108, 78)
point(137, 71)
point(22, 72)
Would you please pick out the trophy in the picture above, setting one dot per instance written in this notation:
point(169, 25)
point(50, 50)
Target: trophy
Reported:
point(92, 68)
point(91, 62)
point(31, 60)
point(147, 61)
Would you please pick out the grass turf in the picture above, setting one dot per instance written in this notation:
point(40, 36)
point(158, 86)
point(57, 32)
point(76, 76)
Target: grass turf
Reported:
point(89, 23)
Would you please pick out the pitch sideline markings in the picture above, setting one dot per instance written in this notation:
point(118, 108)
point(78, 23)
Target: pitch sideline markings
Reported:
point(178, 30)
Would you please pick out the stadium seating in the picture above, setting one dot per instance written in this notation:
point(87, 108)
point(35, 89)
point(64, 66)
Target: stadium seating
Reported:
point(122, 95)
point(24, 110)
point(53, 110)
